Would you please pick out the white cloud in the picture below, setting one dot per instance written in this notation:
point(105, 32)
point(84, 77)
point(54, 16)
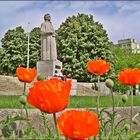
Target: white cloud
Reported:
point(116, 22)
point(87, 4)
point(119, 27)
point(9, 7)
point(56, 5)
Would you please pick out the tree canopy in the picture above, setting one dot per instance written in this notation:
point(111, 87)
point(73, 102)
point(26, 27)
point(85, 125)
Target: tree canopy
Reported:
point(14, 50)
point(80, 39)
point(123, 59)
point(34, 46)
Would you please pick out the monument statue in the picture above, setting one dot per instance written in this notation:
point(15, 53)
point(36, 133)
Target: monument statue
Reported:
point(49, 62)
point(48, 43)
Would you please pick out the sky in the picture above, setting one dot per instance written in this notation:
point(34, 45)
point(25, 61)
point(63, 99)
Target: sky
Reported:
point(121, 19)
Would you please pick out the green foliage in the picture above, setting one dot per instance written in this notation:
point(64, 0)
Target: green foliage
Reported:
point(135, 136)
point(35, 43)
point(123, 59)
point(80, 39)
point(14, 50)
point(75, 102)
point(8, 127)
point(2, 53)
point(121, 125)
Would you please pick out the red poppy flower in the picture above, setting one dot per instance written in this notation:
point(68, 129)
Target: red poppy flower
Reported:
point(129, 76)
point(26, 74)
point(98, 67)
point(78, 125)
point(50, 96)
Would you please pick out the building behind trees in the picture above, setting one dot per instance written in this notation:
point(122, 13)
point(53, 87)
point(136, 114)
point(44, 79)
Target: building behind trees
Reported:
point(130, 44)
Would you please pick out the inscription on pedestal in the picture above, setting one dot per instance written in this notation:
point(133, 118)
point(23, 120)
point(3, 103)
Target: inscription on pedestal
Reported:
point(57, 67)
point(47, 68)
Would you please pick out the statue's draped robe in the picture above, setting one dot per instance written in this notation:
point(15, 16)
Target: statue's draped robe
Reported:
point(48, 43)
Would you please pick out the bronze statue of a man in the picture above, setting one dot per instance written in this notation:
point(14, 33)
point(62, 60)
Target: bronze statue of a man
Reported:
point(48, 43)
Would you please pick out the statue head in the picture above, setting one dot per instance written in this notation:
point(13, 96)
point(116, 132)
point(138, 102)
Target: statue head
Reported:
point(47, 17)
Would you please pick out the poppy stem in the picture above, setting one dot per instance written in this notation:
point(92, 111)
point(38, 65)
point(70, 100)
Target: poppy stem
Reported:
point(123, 110)
point(48, 132)
point(24, 88)
point(113, 113)
point(25, 104)
point(26, 112)
point(131, 111)
point(55, 123)
point(45, 124)
point(98, 103)
point(98, 97)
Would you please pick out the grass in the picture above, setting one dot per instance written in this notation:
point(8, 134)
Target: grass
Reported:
point(12, 102)
point(105, 101)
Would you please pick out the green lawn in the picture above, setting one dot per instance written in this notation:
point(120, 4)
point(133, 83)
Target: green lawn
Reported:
point(75, 102)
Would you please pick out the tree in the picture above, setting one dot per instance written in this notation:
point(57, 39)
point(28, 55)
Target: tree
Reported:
point(2, 53)
point(35, 44)
point(80, 39)
point(123, 59)
point(14, 50)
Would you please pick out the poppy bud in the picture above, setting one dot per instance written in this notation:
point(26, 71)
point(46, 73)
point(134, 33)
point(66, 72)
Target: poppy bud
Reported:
point(109, 83)
point(40, 77)
point(127, 127)
point(135, 121)
point(124, 98)
point(23, 99)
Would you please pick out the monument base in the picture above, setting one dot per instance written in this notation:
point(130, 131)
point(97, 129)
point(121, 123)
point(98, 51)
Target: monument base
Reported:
point(74, 87)
point(47, 68)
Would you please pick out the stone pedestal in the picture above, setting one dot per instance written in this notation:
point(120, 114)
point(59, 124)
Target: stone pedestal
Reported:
point(47, 68)
point(74, 87)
